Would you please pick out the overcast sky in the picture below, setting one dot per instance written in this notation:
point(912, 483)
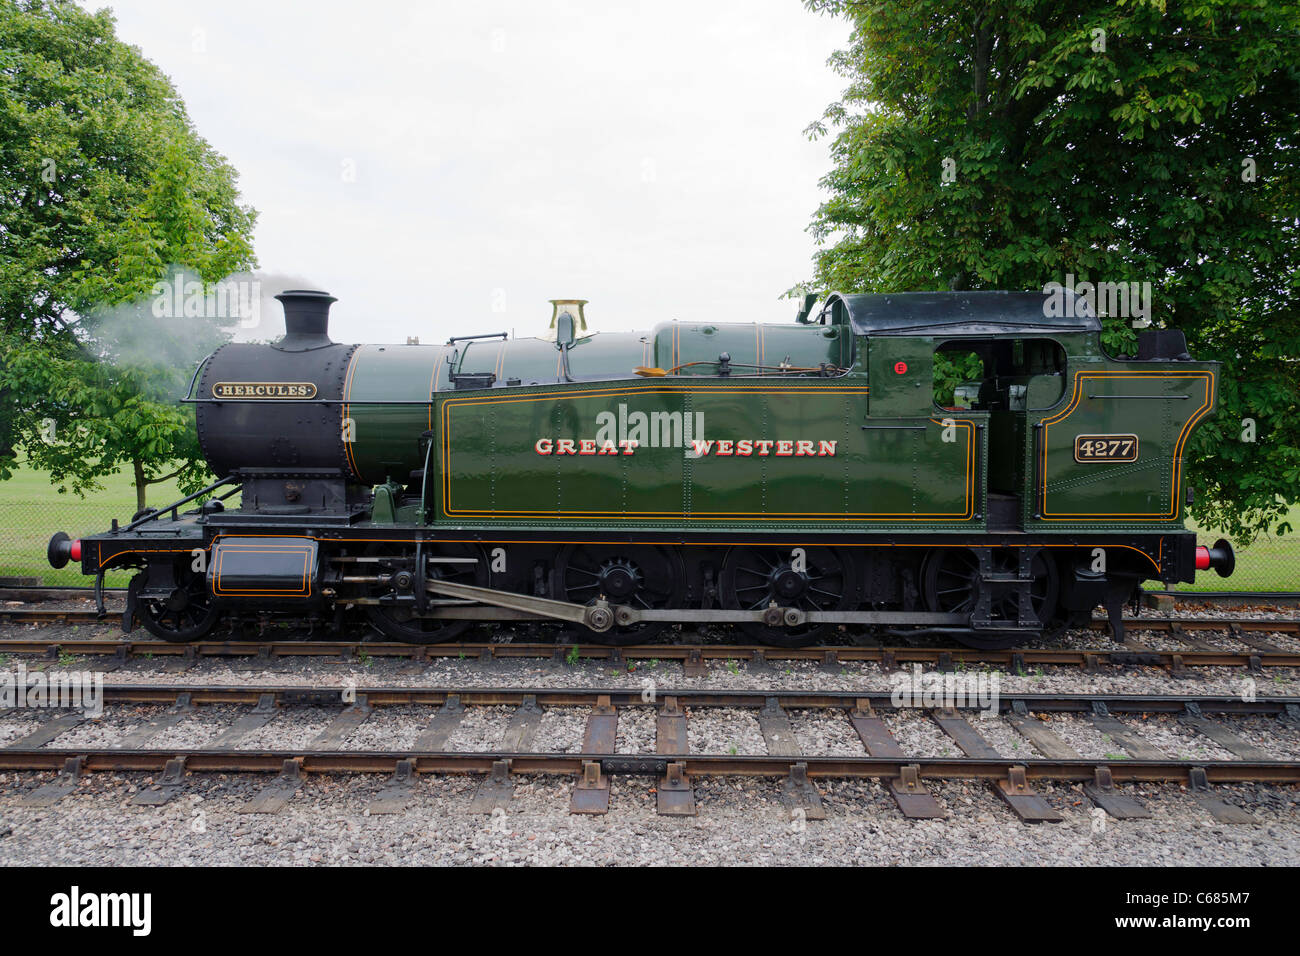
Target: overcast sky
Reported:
point(445, 168)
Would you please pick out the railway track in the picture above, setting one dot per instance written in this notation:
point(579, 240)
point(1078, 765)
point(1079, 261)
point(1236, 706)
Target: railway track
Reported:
point(1255, 654)
point(25, 613)
point(672, 765)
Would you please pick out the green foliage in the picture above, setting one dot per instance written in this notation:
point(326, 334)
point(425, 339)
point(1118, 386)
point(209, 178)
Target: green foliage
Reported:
point(952, 369)
point(1110, 141)
point(106, 187)
point(100, 418)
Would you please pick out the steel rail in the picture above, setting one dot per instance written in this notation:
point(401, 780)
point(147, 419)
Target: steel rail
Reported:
point(293, 695)
point(40, 615)
point(693, 656)
point(40, 592)
point(882, 768)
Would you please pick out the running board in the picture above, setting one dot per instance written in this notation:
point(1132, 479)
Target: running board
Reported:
point(601, 615)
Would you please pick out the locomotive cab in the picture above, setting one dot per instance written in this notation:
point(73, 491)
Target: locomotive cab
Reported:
point(1068, 440)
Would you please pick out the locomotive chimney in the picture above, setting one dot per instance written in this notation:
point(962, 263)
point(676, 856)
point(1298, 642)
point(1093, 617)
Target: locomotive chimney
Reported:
point(306, 320)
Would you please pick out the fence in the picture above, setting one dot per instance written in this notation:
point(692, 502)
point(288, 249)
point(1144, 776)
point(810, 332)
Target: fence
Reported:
point(31, 510)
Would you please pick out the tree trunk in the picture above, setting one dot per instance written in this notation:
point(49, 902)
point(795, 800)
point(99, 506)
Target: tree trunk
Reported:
point(140, 484)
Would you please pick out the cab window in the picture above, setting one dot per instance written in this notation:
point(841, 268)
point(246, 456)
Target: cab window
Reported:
point(998, 374)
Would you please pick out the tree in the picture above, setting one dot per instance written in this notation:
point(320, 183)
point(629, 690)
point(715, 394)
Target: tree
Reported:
point(1014, 143)
point(107, 191)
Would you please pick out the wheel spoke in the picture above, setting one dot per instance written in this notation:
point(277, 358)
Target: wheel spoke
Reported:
point(655, 578)
point(822, 584)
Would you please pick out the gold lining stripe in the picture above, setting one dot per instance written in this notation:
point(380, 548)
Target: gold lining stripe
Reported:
point(433, 388)
point(967, 425)
point(347, 410)
point(1177, 464)
point(304, 589)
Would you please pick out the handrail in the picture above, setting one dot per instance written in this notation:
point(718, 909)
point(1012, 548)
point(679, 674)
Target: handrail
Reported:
point(155, 513)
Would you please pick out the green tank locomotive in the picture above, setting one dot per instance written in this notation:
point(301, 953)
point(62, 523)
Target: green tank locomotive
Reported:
point(788, 479)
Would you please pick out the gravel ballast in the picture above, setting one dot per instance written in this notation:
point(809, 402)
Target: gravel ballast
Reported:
point(740, 822)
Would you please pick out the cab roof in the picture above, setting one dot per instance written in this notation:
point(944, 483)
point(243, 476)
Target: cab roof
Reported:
point(964, 313)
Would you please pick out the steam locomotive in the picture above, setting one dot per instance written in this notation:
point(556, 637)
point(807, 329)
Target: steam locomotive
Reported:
point(785, 479)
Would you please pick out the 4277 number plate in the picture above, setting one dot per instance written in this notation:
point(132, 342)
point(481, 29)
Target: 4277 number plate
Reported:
point(1105, 448)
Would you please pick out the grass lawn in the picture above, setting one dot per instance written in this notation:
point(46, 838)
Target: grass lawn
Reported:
point(1267, 564)
point(31, 510)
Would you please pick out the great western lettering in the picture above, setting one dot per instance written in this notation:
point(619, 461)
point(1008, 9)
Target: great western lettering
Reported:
point(700, 447)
